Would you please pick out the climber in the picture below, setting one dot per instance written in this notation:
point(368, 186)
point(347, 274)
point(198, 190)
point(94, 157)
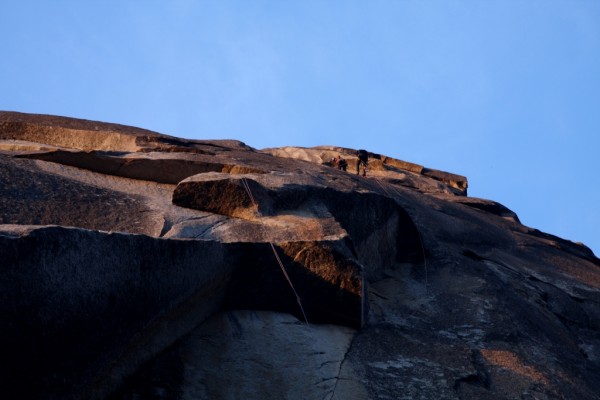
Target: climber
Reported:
point(342, 164)
point(363, 159)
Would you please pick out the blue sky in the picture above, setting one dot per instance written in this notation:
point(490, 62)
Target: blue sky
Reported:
point(504, 92)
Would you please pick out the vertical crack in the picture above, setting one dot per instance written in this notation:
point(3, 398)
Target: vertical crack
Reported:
point(331, 394)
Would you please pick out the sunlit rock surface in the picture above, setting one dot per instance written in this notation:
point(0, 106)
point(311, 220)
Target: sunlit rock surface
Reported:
point(136, 265)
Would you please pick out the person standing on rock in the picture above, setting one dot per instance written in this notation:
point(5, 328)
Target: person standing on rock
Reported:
point(342, 164)
point(363, 159)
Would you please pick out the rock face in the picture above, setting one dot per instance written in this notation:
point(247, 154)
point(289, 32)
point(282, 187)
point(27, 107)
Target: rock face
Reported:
point(140, 265)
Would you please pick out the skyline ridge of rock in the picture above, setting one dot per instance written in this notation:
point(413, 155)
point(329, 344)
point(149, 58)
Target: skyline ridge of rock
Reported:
point(137, 264)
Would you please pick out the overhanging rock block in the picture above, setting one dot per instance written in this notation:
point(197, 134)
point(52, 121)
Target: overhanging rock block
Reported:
point(380, 230)
point(223, 194)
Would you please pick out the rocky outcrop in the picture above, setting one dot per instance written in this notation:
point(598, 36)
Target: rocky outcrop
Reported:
point(378, 164)
point(139, 265)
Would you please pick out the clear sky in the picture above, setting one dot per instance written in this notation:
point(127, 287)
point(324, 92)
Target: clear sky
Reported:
point(505, 92)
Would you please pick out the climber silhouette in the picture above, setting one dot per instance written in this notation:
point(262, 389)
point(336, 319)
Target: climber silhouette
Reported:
point(363, 159)
point(342, 164)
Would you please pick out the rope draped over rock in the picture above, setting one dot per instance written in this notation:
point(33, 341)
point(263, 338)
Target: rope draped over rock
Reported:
point(281, 266)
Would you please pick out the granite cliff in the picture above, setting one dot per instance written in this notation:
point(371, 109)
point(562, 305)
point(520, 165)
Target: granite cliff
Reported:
point(141, 265)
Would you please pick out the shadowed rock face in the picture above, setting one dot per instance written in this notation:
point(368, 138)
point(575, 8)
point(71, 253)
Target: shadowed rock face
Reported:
point(139, 265)
point(82, 307)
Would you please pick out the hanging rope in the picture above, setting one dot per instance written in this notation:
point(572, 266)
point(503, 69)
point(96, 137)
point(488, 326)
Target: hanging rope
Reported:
point(285, 274)
point(247, 187)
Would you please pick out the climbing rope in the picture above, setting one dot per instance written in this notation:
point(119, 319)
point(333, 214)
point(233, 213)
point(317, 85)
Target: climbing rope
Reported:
point(285, 274)
point(247, 187)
